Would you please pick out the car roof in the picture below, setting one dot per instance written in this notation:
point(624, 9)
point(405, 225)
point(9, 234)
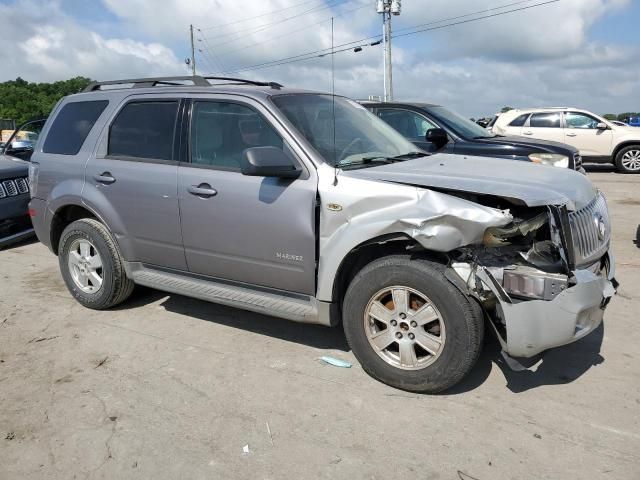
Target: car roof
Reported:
point(373, 103)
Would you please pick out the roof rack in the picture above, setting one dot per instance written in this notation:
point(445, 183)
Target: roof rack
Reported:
point(197, 80)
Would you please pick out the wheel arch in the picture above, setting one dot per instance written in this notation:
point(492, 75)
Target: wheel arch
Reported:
point(64, 216)
point(627, 143)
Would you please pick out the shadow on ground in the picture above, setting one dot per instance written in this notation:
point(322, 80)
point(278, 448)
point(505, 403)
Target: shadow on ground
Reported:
point(557, 366)
point(316, 336)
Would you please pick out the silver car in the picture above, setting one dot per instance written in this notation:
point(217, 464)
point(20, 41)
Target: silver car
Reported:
point(305, 206)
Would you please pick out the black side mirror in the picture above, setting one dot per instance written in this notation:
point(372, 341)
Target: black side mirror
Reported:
point(437, 136)
point(268, 162)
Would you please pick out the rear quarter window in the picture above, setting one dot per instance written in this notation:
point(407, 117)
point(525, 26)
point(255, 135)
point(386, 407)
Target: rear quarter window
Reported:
point(519, 121)
point(71, 127)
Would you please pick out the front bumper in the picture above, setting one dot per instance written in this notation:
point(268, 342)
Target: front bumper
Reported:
point(532, 326)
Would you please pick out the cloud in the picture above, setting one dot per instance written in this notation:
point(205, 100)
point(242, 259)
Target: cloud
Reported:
point(43, 44)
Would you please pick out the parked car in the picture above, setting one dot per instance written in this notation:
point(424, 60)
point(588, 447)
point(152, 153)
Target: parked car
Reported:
point(619, 123)
point(598, 140)
point(305, 206)
point(434, 128)
point(15, 224)
point(633, 121)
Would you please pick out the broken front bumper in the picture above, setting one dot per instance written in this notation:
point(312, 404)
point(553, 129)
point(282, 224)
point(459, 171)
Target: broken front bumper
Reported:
point(532, 326)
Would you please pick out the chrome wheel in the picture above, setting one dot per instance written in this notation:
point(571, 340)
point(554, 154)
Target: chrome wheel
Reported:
point(85, 266)
point(404, 328)
point(631, 160)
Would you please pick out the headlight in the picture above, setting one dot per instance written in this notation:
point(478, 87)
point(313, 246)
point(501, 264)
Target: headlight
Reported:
point(552, 159)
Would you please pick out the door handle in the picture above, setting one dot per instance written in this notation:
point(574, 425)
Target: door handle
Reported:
point(104, 177)
point(571, 134)
point(203, 190)
point(527, 133)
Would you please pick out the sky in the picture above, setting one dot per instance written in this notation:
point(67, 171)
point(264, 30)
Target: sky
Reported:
point(582, 53)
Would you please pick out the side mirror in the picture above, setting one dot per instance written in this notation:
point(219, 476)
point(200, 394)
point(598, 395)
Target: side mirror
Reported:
point(602, 126)
point(268, 162)
point(437, 136)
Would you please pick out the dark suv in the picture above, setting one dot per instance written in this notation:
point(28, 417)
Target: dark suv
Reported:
point(434, 128)
point(303, 205)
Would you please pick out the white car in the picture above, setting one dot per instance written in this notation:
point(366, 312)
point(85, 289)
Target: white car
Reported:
point(599, 140)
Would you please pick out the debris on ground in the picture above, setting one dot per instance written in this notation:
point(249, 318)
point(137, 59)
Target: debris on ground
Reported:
point(269, 432)
point(336, 362)
point(537, 435)
point(101, 362)
point(10, 436)
point(42, 339)
point(245, 450)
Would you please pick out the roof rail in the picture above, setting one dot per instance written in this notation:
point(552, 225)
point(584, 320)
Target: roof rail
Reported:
point(197, 80)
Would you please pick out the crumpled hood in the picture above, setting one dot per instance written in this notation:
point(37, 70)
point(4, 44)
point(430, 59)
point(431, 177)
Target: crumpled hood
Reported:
point(535, 185)
point(11, 167)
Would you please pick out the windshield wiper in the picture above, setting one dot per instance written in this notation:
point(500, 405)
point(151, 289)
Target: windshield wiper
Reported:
point(405, 156)
point(366, 161)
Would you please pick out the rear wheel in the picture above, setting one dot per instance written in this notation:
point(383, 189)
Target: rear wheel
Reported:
point(409, 327)
point(91, 265)
point(628, 159)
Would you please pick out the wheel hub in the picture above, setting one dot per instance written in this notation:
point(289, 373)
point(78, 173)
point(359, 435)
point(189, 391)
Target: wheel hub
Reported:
point(85, 266)
point(404, 328)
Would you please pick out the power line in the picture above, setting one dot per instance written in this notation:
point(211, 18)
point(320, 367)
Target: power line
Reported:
point(273, 12)
point(250, 30)
point(314, 54)
point(291, 32)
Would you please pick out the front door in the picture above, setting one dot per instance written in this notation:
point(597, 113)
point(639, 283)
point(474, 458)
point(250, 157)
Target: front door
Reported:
point(581, 131)
point(133, 182)
point(254, 230)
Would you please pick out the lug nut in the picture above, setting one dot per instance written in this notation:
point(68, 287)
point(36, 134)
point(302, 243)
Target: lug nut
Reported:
point(412, 336)
point(403, 316)
point(398, 335)
point(393, 323)
point(414, 324)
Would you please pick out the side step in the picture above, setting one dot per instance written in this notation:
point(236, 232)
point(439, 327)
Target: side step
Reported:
point(296, 307)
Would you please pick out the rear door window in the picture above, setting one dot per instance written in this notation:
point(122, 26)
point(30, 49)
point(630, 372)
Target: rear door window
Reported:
point(545, 120)
point(408, 123)
point(71, 127)
point(144, 129)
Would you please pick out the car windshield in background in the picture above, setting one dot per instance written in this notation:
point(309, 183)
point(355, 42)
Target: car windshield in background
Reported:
point(359, 137)
point(462, 126)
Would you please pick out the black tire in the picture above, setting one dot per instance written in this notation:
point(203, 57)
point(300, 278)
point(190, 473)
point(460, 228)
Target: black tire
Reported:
point(462, 318)
point(619, 159)
point(116, 287)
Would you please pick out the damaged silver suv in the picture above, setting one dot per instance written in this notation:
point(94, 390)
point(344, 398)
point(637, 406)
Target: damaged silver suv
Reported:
point(305, 206)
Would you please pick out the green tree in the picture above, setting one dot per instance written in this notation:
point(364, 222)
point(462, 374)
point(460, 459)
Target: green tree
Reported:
point(21, 100)
point(610, 116)
point(506, 109)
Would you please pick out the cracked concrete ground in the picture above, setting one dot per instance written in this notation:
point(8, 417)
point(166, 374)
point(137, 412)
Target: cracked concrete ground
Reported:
point(167, 387)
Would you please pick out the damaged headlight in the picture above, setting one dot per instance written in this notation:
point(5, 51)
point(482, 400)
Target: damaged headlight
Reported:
point(552, 159)
point(500, 236)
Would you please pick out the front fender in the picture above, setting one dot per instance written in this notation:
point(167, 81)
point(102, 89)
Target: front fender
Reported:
point(357, 210)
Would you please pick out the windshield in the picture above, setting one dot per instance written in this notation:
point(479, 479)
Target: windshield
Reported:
point(358, 135)
point(460, 125)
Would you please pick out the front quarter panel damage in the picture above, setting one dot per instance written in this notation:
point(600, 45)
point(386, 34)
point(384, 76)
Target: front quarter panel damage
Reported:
point(371, 209)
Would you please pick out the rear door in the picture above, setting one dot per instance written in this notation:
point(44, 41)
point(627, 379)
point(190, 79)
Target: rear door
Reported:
point(581, 131)
point(133, 179)
point(254, 230)
point(545, 126)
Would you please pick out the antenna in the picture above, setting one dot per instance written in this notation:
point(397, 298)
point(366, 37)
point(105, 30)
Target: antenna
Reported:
point(333, 109)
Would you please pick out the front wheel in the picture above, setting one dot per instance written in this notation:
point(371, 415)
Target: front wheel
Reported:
point(409, 327)
point(628, 159)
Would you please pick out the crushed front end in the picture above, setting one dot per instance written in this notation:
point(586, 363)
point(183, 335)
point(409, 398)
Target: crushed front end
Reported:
point(545, 279)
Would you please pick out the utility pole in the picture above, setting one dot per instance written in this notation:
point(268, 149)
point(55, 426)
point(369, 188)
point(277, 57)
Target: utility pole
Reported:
point(388, 8)
point(193, 52)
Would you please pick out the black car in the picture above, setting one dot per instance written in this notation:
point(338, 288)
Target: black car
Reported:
point(434, 128)
point(15, 224)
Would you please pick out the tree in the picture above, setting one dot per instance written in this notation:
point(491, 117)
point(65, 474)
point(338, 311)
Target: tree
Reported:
point(506, 109)
point(21, 100)
point(610, 116)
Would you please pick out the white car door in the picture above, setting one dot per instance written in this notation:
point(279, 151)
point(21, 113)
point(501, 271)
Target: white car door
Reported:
point(545, 126)
point(581, 131)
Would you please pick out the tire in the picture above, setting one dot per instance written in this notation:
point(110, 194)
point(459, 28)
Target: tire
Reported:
point(113, 287)
point(460, 325)
point(628, 159)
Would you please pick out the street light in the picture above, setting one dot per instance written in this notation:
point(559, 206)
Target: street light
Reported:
point(388, 8)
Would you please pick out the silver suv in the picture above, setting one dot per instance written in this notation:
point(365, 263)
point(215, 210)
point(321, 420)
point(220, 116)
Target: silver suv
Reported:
point(305, 206)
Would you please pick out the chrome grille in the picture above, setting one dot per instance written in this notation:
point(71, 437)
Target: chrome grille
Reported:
point(11, 188)
point(591, 230)
point(577, 161)
point(21, 184)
